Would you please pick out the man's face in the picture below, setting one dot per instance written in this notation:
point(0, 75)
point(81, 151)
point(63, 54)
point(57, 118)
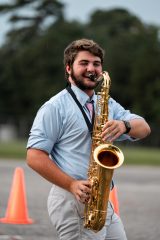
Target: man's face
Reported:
point(85, 63)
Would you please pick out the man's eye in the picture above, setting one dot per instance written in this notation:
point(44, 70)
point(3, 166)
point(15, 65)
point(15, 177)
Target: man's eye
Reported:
point(97, 64)
point(83, 63)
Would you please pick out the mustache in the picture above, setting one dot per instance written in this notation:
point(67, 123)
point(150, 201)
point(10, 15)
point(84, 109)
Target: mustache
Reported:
point(92, 76)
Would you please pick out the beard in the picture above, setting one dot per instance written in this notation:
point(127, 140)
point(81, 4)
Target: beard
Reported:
point(81, 84)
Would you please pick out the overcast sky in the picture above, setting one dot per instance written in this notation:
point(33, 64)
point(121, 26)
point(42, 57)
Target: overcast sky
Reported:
point(147, 10)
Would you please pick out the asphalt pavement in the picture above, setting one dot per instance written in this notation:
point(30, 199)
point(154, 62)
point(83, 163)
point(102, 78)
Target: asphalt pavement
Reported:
point(138, 196)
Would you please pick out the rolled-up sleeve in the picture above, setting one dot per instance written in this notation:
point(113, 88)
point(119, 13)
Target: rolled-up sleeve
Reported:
point(45, 129)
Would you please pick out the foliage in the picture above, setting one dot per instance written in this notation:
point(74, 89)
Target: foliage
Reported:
point(132, 59)
point(31, 60)
point(30, 18)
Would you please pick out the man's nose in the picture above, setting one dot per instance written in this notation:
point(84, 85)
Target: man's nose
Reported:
point(90, 67)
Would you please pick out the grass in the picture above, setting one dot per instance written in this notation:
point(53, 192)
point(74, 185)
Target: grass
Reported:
point(13, 150)
point(133, 155)
point(141, 155)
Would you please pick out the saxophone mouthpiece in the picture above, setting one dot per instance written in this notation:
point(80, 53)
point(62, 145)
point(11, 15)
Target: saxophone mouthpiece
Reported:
point(92, 76)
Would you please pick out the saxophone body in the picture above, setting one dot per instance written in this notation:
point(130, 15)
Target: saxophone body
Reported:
point(104, 158)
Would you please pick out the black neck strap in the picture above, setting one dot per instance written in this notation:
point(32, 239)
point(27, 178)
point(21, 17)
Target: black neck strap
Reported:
point(89, 124)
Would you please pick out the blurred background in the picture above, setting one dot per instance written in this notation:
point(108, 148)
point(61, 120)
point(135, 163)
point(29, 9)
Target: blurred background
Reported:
point(33, 36)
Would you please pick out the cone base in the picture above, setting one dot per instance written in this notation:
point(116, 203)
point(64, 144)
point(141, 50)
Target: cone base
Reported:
point(14, 221)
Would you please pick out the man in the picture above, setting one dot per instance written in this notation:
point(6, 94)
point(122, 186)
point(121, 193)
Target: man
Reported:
point(60, 142)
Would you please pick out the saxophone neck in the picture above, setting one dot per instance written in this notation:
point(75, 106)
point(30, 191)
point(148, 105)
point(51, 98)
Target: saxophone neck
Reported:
point(104, 77)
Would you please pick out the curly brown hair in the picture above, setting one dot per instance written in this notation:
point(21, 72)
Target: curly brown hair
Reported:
point(83, 44)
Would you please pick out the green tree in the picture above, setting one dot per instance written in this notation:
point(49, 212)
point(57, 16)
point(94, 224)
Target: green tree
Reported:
point(32, 70)
point(132, 58)
point(116, 31)
point(30, 18)
point(20, 58)
point(31, 61)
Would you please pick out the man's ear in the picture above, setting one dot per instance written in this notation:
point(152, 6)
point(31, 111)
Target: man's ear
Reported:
point(68, 69)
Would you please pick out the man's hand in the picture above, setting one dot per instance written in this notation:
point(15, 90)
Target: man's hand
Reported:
point(81, 189)
point(112, 130)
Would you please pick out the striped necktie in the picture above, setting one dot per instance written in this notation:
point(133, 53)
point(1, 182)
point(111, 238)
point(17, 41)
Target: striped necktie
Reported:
point(90, 108)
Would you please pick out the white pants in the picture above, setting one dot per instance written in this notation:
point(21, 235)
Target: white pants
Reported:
point(66, 215)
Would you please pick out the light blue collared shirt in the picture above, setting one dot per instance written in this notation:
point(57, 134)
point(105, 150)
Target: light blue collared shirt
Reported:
point(60, 130)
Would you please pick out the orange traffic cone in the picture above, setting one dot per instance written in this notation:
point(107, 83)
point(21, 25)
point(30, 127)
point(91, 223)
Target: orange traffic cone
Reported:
point(17, 212)
point(113, 197)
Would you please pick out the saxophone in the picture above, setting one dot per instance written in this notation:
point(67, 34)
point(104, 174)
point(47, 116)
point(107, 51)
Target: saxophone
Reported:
point(104, 158)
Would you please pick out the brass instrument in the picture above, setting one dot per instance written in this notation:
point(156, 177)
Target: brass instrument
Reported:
point(104, 158)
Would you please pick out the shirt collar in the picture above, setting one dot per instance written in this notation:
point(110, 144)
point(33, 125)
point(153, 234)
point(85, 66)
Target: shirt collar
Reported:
point(82, 96)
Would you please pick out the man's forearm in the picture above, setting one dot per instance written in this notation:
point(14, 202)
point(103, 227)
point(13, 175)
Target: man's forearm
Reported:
point(39, 161)
point(139, 128)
